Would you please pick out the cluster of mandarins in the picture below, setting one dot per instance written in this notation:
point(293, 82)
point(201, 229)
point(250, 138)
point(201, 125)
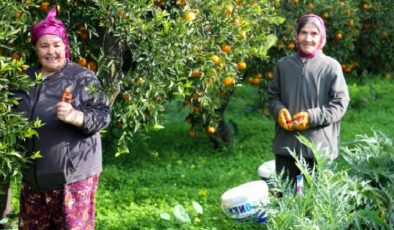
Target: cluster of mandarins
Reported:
point(227, 81)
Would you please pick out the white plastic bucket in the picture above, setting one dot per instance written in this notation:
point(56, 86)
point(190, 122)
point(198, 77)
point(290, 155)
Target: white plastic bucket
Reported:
point(246, 201)
point(266, 170)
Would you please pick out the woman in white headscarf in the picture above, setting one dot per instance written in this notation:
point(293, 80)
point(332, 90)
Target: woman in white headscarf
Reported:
point(308, 96)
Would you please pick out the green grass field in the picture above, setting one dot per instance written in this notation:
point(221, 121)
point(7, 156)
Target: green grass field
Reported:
point(169, 168)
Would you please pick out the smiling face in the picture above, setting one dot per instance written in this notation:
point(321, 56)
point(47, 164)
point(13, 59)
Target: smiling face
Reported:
point(50, 50)
point(309, 38)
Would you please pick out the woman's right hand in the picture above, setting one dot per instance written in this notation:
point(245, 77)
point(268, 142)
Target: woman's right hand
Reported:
point(284, 119)
point(66, 113)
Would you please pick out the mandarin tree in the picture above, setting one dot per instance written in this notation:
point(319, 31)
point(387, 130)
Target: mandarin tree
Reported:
point(375, 49)
point(14, 127)
point(148, 53)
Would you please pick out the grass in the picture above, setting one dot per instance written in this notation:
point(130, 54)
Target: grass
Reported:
point(371, 108)
point(170, 168)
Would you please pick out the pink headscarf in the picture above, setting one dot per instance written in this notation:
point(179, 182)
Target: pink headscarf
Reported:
point(319, 23)
point(50, 25)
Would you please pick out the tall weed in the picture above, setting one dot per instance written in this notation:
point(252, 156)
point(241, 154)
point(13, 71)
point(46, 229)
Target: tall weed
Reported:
point(337, 197)
point(371, 158)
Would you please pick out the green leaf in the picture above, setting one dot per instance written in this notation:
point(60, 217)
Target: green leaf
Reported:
point(123, 149)
point(197, 207)
point(4, 221)
point(181, 214)
point(157, 126)
point(2, 146)
point(36, 155)
point(30, 132)
point(14, 153)
point(165, 216)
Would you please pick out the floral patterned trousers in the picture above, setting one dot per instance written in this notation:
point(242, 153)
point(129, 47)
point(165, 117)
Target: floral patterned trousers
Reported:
point(72, 207)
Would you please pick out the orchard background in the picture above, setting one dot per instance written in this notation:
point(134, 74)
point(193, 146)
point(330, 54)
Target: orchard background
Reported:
point(151, 56)
point(149, 53)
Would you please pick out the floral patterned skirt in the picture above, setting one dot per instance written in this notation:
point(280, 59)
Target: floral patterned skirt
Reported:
point(72, 207)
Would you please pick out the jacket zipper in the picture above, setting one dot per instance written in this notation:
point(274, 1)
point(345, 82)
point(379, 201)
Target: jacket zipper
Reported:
point(36, 99)
point(302, 83)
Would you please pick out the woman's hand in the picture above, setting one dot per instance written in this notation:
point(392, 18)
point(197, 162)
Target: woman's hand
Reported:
point(66, 113)
point(284, 119)
point(302, 119)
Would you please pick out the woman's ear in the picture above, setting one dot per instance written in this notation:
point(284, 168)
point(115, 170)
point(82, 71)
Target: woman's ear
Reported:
point(323, 43)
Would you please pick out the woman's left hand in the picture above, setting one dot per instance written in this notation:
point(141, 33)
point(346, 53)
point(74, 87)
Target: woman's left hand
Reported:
point(302, 119)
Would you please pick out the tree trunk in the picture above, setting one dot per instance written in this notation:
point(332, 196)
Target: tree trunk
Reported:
point(114, 48)
point(5, 200)
point(225, 132)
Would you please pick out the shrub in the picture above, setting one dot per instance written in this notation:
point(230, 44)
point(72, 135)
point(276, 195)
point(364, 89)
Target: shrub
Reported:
point(356, 195)
point(371, 159)
point(151, 52)
point(14, 127)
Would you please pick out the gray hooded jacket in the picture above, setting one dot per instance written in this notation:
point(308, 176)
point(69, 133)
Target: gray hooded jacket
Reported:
point(316, 86)
point(69, 153)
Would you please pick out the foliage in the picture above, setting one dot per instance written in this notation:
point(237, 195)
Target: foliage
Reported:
point(127, 45)
point(369, 108)
point(364, 162)
point(170, 168)
point(173, 169)
point(151, 52)
point(371, 158)
point(167, 168)
point(335, 198)
point(146, 55)
point(377, 31)
point(14, 127)
point(182, 215)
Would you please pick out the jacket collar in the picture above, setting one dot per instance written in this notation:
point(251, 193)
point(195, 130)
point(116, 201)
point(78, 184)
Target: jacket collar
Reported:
point(32, 71)
point(304, 60)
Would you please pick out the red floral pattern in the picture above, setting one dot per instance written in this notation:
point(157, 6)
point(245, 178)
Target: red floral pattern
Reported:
point(72, 207)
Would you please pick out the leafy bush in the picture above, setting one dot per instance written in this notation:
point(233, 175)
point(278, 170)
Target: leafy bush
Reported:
point(213, 48)
point(151, 52)
point(14, 127)
point(357, 195)
point(371, 159)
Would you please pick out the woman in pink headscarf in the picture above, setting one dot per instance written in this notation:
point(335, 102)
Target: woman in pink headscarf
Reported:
point(308, 96)
point(58, 190)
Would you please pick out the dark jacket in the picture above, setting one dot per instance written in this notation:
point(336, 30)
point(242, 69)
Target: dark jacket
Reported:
point(69, 153)
point(316, 86)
